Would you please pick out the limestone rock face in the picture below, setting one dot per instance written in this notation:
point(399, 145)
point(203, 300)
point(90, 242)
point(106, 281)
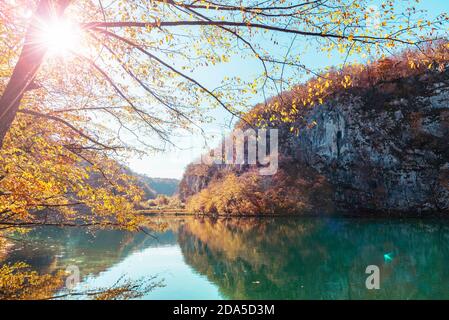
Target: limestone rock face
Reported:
point(385, 148)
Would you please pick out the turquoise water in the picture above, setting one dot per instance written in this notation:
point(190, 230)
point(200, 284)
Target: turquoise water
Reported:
point(268, 258)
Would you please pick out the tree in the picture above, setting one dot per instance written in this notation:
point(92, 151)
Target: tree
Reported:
point(83, 82)
point(28, 64)
point(19, 282)
point(139, 40)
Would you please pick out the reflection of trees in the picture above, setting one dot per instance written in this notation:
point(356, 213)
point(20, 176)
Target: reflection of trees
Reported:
point(44, 253)
point(4, 246)
point(315, 258)
point(19, 282)
point(49, 249)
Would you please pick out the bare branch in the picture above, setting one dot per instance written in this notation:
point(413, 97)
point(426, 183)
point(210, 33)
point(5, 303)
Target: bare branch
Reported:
point(54, 118)
point(138, 47)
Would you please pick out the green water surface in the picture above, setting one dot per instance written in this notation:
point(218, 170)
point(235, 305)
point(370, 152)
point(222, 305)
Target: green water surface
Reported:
point(248, 258)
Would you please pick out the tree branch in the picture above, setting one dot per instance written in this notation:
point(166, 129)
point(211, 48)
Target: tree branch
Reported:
point(138, 47)
point(158, 24)
point(54, 118)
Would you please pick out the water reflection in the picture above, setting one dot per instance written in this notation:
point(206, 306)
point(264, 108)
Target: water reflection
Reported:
point(269, 258)
point(47, 249)
point(319, 259)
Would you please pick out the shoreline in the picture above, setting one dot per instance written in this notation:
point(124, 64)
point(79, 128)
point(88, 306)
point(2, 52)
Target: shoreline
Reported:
point(384, 215)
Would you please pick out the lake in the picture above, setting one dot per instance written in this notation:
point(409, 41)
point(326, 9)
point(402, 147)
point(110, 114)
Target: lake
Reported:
point(249, 258)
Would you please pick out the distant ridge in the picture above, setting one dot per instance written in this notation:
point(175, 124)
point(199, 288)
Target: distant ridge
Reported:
point(156, 186)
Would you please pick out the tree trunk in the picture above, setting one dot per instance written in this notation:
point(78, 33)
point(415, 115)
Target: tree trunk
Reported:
point(30, 60)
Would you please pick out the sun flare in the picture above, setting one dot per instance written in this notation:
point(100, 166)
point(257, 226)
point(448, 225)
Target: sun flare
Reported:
point(61, 37)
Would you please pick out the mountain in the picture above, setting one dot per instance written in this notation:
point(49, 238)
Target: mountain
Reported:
point(363, 140)
point(155, 186)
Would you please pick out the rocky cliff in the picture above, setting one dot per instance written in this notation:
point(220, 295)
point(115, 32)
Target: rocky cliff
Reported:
point(380, 148)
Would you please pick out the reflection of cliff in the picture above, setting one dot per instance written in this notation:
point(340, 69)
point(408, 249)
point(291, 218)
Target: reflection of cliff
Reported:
point(49, 249)
point(315, 259)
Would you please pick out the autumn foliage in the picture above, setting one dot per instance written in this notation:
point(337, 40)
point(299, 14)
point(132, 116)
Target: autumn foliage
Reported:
point(17, 281)
point(67, 119)
point(47, 176)
point(291, 190)
point(286, 108)
point(294, 189)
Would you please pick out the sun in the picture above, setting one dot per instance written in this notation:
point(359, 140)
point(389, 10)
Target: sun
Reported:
point(61, 36)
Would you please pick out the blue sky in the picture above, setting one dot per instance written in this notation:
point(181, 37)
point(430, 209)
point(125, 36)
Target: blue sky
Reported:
point(172, 162)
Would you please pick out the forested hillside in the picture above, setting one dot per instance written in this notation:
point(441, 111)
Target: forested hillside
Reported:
point(366, 138)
